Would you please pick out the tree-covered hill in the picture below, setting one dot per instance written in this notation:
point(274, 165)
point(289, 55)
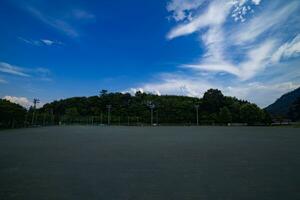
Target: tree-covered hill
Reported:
point(213, 108)
point(11, 115)
point(282, 106)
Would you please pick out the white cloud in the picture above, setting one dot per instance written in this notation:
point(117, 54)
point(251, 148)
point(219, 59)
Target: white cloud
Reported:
point(41, 42)
point(182, 9)
point(11, 69)
point(218, 41)
point(23, 101)
point(51, 42)
point(257, 2)
point(272, 17)
point(261, 93)
point(215, 15)
point(196, 86)
point(239, 51)
point(176, 85)
point(257, 60)
point(287, 50)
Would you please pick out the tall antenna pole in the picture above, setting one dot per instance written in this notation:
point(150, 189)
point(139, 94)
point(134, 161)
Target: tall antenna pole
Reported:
point(197, 114)
point(108, 113)
point(35, 101)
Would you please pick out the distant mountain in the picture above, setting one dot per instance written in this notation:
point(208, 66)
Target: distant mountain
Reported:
point(282, 105)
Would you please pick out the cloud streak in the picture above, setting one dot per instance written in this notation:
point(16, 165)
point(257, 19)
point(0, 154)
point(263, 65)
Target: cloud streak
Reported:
point(13, 70)
point(41, 42)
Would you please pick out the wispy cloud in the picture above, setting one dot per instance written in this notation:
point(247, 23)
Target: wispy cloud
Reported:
point(13, 70)
point(210, 24)
point(272, 18)
point(287, 50)
point(82, 14)
point(41, 42)
point(39, 73)
point(66, 22)
point(243, 48)
point(181, 9)
point(54, 22)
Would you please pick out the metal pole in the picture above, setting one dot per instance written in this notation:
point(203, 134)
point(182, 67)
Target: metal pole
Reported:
point(101, 117)
point(197, 115)
point(44, 119)
point(151, 116)
point(35, 101)
point(108, 115)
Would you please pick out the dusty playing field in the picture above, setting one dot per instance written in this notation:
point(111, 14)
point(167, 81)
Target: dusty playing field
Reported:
point(157, 163)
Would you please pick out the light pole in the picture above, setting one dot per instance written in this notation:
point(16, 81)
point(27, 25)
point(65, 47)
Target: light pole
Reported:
point(35, 101)
point(151, 106)
point(197, 114)
point(108, 114)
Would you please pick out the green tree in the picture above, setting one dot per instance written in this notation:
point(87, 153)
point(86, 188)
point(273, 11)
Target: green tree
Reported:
point(213, 100)
point(250, 114)
point(225, 115)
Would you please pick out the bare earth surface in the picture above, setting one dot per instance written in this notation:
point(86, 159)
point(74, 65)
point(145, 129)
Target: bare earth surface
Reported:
point(157, 163)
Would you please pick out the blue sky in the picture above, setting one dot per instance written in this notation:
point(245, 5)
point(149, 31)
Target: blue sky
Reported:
point(58, 49)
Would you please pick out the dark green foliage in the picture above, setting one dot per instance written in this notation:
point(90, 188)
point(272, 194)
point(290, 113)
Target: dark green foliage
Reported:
point(11, 115)
point(251, 114)
point(294, 112)
point(225, 116)
point(281, 106)
point(214, 108)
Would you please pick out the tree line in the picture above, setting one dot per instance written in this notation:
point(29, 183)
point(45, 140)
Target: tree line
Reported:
point(142, 108)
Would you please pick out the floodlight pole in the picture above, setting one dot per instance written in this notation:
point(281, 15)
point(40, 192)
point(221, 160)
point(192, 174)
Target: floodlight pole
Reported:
point(35, 101)
point(197, 114)
point(151, 106)
point(108, 114)
point(157, 116)
point(44, 119)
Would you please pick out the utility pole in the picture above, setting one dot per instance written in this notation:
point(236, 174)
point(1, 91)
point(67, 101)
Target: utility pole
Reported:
point(197, 114)
point(35, 101)
point(108, 114)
